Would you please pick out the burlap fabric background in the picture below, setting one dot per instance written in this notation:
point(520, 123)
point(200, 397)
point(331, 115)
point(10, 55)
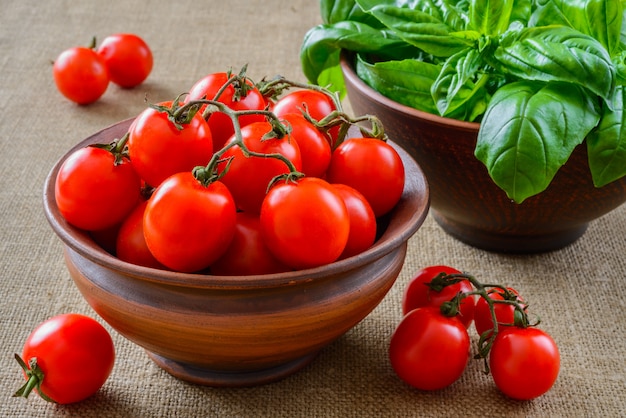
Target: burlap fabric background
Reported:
point(578, 291)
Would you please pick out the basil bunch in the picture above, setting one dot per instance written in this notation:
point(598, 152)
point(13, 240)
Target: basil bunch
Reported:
point(539, 75)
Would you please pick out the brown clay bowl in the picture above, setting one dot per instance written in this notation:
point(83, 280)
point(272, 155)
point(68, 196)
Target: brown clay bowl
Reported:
point(240, 330)
point(464, 200)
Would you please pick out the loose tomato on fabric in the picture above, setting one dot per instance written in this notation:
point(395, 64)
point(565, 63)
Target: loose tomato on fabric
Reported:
point(362, 221)
point(524, 362)
point(158, 148)
point(127, 57)
point(81, 75)
point(317, 104)
point(187, 225)
point(68, 358)
point(314, 148)
point(372, 167)
point(93, 191)
point(428, 350)
point(305, 223)
point(130, 244)
point(247, 253)
point(417, 294)
point(505, 314)
point(236, 97)
point(248, 178)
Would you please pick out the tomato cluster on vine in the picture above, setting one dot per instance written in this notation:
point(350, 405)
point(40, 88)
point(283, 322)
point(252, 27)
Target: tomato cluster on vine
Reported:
point(236, 178)
point(430, 347)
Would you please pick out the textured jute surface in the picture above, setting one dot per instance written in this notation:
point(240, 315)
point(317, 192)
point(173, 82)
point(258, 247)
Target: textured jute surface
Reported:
point(578, 291)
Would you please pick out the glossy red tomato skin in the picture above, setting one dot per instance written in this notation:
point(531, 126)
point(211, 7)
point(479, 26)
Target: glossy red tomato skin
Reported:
point(417, 294)
point(75, 353)
point(80, 75)
point(130, 244)
point(305, 224)
point(505, 314)
point(128, 59)
point(221, 124)
point(187, 226)
point(314, 147)
point(247, 254)
point(158, 149)
point(372, 167)
point(92, 193)
point(362, 221)
point(316, 103)
point(524, 362)
point(428, 350)
point(249, 177)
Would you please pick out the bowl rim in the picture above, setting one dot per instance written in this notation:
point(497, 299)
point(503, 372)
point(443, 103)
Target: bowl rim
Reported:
point(346, 62)
point(414, 205)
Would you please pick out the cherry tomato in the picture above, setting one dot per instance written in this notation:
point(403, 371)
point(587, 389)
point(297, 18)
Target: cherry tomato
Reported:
point(313, 145)
point(316, 103)
point(130, 244)
point(249, 177)
point(428, 350)
point(305, 223)
point(372, 167)
point(80, 75)
point(92, 192)
point(362, 221)
point(247, 254)
point(234, 97)
point(158, 149)
point(505, 314)
point(71, 355)
point(418, 294)
point(188, 226)
point(127, 57)
point(524, 362)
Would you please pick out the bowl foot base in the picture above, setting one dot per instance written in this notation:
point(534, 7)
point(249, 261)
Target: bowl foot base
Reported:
point(513, 243)
point(222, 378)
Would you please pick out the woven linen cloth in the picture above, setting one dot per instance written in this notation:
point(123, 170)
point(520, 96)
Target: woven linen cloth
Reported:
point(577, 291)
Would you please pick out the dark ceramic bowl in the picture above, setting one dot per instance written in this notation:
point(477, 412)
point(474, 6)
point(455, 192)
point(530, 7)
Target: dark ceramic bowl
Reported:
point(237, 331)
point(464, 199)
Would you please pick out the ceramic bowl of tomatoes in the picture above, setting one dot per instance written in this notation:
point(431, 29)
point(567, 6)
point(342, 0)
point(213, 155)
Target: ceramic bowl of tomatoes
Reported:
point(237, 330)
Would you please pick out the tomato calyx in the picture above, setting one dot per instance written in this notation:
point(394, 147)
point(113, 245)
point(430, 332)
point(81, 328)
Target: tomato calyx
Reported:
point(35, 377)
point(117, 147)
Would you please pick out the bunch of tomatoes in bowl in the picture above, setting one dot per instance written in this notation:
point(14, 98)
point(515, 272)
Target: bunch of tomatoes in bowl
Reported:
point(236, 178)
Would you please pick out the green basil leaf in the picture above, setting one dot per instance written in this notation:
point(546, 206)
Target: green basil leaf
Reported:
point(459, 90)
point(491, 17)
point(407, 82)
point(606, 145)
point(522, 10)
point(529, 131)
point(556, 53)
point(427, 31)
point(334, 11)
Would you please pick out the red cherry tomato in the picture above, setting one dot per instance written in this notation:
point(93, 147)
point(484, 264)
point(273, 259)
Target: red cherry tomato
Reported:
point(505, 314)
point(249, 177)
point(187, 226)
point(313, 145)
point(524, 362)
point(247, 253)
point(362, 221)
point(158, 149)
point(92, 192)
point(131, 244)
point(372, 167)
point(234, 97)
point(417, 294)
point(80, 75)
point(305, 223)
point(428, 350)
point(316, 103)
point(73, 354)
point(127, 57)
